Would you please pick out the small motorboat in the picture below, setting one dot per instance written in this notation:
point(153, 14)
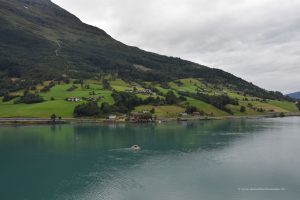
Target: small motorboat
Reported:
point(135, 147)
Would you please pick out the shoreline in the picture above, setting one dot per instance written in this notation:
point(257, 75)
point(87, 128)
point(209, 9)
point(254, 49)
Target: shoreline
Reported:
point(45, 121)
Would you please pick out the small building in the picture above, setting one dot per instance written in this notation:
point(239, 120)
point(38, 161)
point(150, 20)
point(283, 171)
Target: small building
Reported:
point(73, 99)
point(93, 99)
point(130, 90)
point(196, 113)
point(183, 114)
point(112, 117)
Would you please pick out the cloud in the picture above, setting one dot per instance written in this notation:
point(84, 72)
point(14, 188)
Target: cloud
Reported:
point(258, 40)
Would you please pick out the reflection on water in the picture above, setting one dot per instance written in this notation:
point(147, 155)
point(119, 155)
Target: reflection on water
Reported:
point(187, 160)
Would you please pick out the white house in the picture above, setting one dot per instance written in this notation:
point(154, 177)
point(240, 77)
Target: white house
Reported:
point(183, 114)
point(112, 117)
point(74, 99)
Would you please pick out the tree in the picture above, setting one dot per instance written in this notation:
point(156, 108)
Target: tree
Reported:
point(243, 109)
point(105, 108)
point(152, 111)
point(7, 97)
point(86, 109)
point(125, 102)
point(218, 101)
point(191, 109)
point(281, 114)
point(171, 98)
point(298, 105)
point(53, 117)
point(106, 84)
point(260, 110)
point(30, 98)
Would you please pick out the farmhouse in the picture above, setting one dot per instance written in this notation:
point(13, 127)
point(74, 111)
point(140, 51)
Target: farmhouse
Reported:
point(196, 113)
point(73, 99)
point(92, 99)
point(145, 91)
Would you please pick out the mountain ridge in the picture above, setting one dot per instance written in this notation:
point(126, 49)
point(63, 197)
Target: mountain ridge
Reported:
point(41, 41)
point(295, 95)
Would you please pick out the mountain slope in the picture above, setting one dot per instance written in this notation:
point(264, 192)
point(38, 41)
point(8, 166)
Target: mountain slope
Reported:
point(41, 41)
point(295, 95)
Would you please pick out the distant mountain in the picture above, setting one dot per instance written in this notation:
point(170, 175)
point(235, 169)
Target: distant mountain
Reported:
point(295, 95)
point(41, 41)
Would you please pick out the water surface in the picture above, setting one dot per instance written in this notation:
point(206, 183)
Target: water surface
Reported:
point(210, 160)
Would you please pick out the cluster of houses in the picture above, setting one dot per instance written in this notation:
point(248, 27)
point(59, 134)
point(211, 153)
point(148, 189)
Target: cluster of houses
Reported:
point(134, 117)
point(143, 91)
point(192, 114)
point(77, 99)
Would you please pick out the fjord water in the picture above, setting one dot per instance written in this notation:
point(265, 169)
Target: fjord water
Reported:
point(228, 159)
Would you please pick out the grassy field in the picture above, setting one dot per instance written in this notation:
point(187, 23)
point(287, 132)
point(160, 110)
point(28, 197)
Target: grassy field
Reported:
point(59, 107)
point(162, 111)
point(59, 92)
point(207, 108)
point(288, 106)
point(188, 85)
point(55, 100)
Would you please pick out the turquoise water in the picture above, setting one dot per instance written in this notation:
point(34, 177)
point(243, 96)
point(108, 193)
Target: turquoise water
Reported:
point(210, 160)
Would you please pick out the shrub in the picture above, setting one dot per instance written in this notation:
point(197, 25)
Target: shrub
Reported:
point(30, 98)
point(191, 109)
point(53, 117)
point(106, 84)
point(152, 111)
point(260, 110)
point(243, 109)
point(8, 97)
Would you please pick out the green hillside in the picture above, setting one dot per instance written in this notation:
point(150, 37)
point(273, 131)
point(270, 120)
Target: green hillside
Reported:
point(55, 100)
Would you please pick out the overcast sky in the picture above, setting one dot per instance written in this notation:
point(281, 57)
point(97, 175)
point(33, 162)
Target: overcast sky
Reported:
point(258, 40)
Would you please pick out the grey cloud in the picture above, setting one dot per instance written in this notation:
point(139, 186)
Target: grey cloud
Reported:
point(257, 40)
